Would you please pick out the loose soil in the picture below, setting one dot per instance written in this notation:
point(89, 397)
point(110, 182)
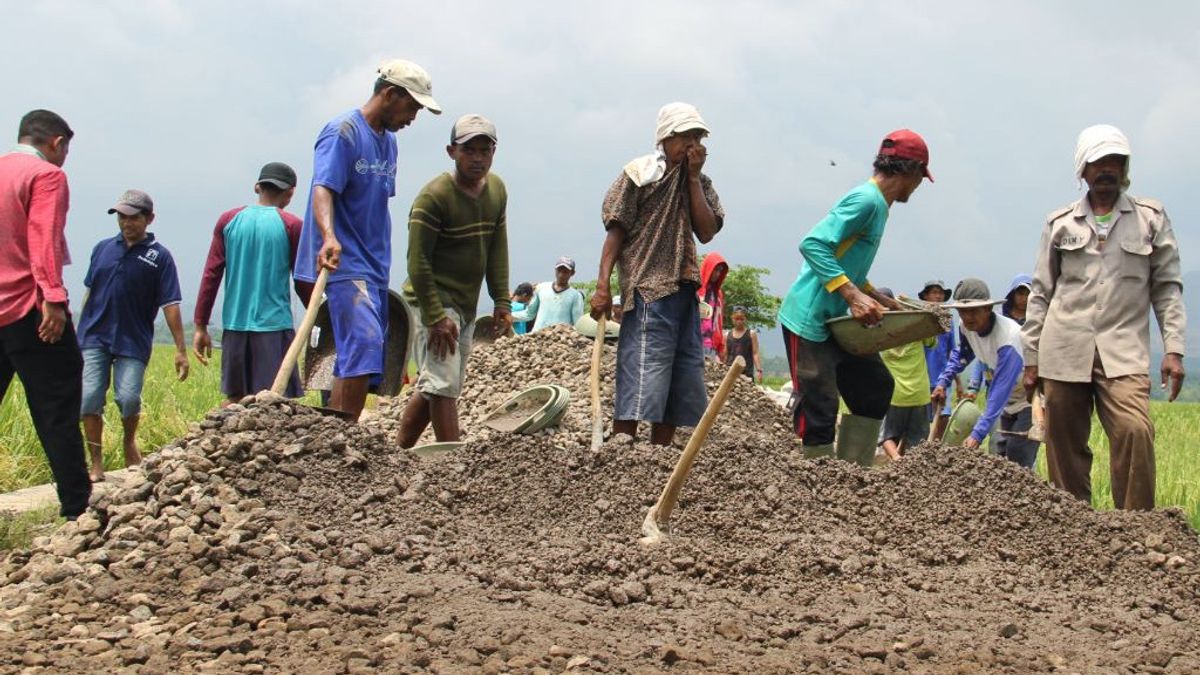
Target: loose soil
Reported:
point(274, 539)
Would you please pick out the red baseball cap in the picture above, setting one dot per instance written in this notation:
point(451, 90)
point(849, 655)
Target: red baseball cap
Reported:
point(907, 144)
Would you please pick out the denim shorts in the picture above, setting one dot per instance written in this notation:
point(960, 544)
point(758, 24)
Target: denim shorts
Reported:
point(440, 377)
point(127, 373)
point(660, 361)
point(358, 316)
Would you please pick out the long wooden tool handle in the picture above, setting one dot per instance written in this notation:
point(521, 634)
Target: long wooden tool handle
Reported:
point(670, 493)
point(310, 318)
point(597, 353)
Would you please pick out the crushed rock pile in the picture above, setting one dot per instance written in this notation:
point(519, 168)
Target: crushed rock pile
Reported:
point(560, 355)
point(272, 538)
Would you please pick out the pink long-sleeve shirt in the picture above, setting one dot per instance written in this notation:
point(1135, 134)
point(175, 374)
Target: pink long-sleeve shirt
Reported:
point(33, 214)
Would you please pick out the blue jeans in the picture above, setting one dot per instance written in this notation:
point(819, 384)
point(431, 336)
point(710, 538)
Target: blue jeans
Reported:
point(660, 361)
point(128, 374)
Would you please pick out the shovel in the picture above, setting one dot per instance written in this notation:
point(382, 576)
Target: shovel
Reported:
point(597, 352)
point(293, 352)
point(660, 513)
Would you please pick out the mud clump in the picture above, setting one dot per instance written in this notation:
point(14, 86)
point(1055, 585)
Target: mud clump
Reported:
point(272, 538)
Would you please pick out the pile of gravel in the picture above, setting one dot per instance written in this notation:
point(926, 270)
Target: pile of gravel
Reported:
point(273, 538)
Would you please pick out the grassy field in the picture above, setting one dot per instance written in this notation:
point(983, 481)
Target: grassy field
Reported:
point(169, 406)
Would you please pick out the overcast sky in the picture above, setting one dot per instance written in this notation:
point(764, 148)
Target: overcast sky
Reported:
point(187, 100)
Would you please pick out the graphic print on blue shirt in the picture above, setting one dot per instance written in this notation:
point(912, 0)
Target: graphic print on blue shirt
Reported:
point(126, 287)
point(359, 166)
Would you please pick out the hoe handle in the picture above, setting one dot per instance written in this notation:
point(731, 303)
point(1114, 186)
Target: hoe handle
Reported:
point(670, 493)
point(597, 352)
point(310, 318)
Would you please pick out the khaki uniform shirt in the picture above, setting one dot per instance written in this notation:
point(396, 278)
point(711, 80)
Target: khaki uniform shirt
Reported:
point(1093, 296)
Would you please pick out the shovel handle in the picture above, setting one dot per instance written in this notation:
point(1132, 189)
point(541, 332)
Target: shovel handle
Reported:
point(597, 353)
point(310, 318)
point(670, 494)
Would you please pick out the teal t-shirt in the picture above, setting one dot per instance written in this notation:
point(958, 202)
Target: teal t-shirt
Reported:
point(843, 244)
point(257, 272)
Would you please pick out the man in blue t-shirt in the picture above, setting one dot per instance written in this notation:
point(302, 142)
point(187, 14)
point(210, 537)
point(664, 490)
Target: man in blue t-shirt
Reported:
point(838, 253)
point(347, 229)
point(129, 278)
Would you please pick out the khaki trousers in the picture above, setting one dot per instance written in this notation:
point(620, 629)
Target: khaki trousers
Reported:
point(1123, 406)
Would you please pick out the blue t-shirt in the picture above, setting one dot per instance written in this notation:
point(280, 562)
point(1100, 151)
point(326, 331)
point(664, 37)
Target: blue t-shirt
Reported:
point(359, 166)
point(842, 246)
point(519, 327)
point(126, 287)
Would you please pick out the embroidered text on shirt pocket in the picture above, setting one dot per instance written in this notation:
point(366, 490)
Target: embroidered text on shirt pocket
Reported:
point(1135, 263)
point(1074, 259)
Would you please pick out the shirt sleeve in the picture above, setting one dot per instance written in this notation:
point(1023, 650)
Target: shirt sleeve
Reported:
point(49, 198)
point(620, 205)
point(960, 356)
point(497, 262)
point(294, 226)
point(168, 281)
point(1009, 367)
point(820, 247)
point(334, 156)
point(577, 306)
point(1166, 289)
point(214, 270)
point(714, 201)
point(1045, 277)
point(530, 310)
point(425, 221)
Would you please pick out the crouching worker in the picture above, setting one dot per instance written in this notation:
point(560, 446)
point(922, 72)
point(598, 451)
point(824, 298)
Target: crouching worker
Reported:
point(996, 341)
point(457, 237)
point(907, 422)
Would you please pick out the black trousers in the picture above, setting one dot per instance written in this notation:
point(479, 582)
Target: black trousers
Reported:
point(821, 371)
point(52, 375)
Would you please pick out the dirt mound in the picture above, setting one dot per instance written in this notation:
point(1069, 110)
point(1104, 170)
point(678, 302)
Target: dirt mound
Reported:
point(272, 538)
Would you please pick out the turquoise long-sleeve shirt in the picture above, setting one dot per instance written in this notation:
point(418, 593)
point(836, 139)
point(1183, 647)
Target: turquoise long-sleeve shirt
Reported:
point(551, 307)
point(838, 249)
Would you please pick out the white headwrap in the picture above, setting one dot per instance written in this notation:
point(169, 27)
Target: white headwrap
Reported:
point(1099, 141)
point(673, 118)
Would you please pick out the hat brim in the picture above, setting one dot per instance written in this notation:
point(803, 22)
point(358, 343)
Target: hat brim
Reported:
point(466, 137)
point(972, 304)
point(282, 185)
point(691, 126)
point(427, 101)
point(925, 291)
point(125, 210)
point(1104, 150)
point(928, 174)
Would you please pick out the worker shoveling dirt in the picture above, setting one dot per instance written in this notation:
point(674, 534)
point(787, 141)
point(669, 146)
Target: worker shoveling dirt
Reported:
point(274, 538)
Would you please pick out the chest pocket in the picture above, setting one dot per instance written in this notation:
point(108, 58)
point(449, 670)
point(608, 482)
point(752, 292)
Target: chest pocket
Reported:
point(1135, 260)
point(1075, 259)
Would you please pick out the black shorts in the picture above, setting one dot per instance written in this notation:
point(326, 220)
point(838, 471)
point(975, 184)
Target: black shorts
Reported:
point(250, 361)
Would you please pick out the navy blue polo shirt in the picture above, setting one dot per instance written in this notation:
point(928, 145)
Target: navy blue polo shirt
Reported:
point(126, 287)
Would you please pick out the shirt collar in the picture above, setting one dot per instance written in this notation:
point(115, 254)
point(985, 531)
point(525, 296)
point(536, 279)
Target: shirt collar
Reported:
point(992, 321)
point(120, 240)
point(26, 149)
point(1083, 208)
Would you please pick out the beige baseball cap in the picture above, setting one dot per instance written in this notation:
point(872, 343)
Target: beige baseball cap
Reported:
point(470, 126)
point(414, 79)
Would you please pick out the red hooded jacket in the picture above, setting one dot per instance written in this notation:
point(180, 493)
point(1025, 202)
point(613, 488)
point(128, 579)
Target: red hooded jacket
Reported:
point(707, 268)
